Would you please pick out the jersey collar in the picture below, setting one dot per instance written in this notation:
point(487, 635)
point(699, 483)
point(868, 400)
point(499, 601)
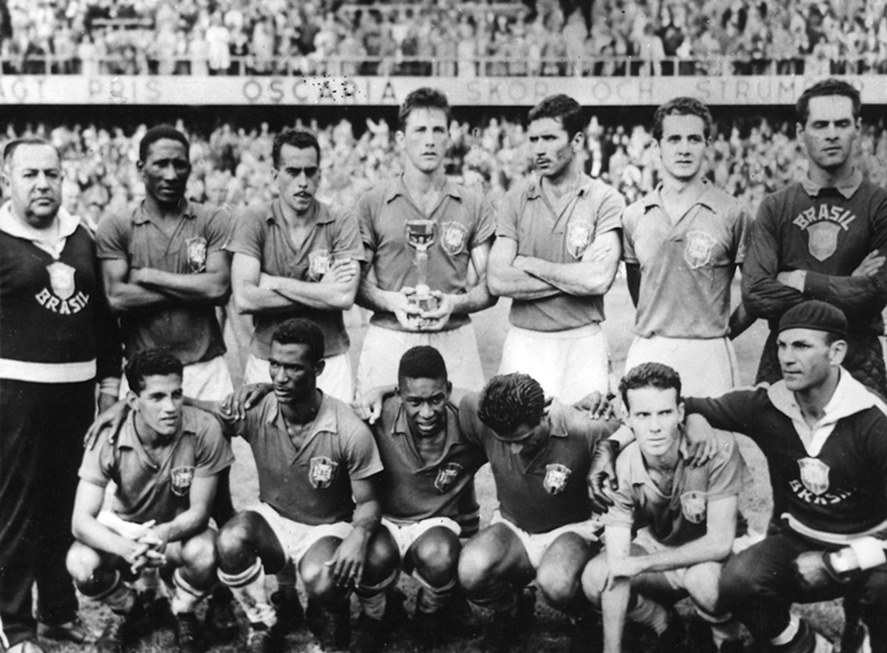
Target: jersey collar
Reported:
point(324, 422)
point(846, 188)
point(583, 186)
point(18, 228)
point(320, 214)
point(707, 197)
point(141, 214)
point(399, 188)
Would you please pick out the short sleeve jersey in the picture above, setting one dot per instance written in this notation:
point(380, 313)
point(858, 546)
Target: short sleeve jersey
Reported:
point(261, 232)
point(463, 220)
point(687, 266)
point(680, 517)
point(412, 489)
point(528, 218)
point(311, 485)
point(552, 490)
point(187, 330)
point(147, 489)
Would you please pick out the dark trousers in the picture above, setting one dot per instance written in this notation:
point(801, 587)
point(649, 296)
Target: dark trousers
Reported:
point(864, 361)
point(758, 586)
point(41, 431)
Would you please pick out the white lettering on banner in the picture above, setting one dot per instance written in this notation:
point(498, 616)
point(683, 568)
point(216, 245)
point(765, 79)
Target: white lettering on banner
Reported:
point(377, 91)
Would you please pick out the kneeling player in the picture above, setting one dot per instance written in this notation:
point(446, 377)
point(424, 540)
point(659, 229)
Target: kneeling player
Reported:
point(313, 454)
point(165, 462)
point(544, 528)
point(690, 514)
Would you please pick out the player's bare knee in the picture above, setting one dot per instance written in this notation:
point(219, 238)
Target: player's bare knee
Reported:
point(556, 585)
point(199, 553)
point(475, 567)
point(83, 562)
point(234, 540)
point(382, 558)
point(594, 579)
point(436, 557)
point(702, 582)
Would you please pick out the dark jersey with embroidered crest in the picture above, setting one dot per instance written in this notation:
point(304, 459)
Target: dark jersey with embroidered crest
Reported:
point(410, 489)
point(827, 481)
point(147, 489)
point(679, 517)
point(311, 485)
point(552, 490)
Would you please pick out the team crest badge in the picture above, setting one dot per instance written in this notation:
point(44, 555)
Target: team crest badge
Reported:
point(197, 253)
point(454, 236)
point(181, 478)
point(578, 237)
point(814, 475)
point(693, 506)
point(61, 278)
point(319, 263)
point(321, 472)
point(446, 476)
point(822, 239)
point(698, 249)
point(556, 476)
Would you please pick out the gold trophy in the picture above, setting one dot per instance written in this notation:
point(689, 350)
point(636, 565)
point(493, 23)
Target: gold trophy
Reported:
point(421, 235)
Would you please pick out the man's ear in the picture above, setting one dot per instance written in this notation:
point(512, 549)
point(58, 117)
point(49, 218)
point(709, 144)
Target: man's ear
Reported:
point(837, 352)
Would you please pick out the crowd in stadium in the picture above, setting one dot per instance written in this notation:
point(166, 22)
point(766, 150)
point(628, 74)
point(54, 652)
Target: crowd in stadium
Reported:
point(233, 165)
point(613, 37)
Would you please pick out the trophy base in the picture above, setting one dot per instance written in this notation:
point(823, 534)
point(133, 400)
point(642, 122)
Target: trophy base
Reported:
point(425, 303)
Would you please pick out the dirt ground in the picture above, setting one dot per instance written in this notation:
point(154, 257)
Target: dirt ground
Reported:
point(550, 630)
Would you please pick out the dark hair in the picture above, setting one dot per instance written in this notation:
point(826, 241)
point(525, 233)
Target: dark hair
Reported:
point(422, 362)
point(423, 98)
point(158, 133)
point(681, 106)
point(150, 362)
point(650, 375)
point(563, 108)
point(509, 400)
point(297, 138)
point(13, 145)
point(301, 331)
point(824, 88)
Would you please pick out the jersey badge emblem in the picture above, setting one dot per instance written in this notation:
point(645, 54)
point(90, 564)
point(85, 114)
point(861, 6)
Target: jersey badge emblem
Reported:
point(197, 253)
point(321, 472)
point(446, 476)
point(693, 506)
point(556, 476)
point(181, 478)
point(454, 236)
point(61, 278)
point(814, 475)
point(319, 263)
point(578, 237)
point(822, 239)
point(698, 249)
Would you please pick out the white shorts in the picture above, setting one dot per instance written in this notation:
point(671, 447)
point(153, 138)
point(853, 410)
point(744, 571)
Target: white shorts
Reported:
point(708, 368)
point(536, 544)
point(335, 380)
point(295, 538)
point(405, 534)
point(567, 364)
point(206, 381)
point(382, 349)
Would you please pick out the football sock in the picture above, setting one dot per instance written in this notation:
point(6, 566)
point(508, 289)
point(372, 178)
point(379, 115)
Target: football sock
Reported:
point(248, 588)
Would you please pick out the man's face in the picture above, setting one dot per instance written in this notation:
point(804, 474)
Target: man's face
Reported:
point(158, 406)
point(425, 139)
point(655, 416)
point(526, 440)
point(551, 146)
point(682, 147)
point(806, 358)
point(293, 374)
point(425, 404)
point(298, 177)
point(165, 171)
point(830, 131)
point(34, 178)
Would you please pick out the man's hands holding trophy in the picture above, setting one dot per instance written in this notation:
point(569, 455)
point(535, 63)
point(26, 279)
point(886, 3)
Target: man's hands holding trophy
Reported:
point(423, 309)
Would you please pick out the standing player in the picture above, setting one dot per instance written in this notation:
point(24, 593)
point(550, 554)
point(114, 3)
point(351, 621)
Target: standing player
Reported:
point(165, 464)
point(681, 244)
point(543, 528)
point(824, 237)
point(555, 255)
point(317, 466)
point(56, 338)
point(690, 514)
point(297, 257)
point(462, 228)
point(165, 272)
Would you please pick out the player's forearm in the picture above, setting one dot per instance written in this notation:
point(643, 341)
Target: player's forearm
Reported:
point(476, 299)
point(371, 297)
point(579, 279)
point(508, 281)
point(367, 517)
point(614, 607)
point(740, 320)
point(211, 287)
point(710, 547)
point(125, 297)
point(95, 535)
point(186, 524)
point(323, 296)
point(251, 299)
point(850, 294)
